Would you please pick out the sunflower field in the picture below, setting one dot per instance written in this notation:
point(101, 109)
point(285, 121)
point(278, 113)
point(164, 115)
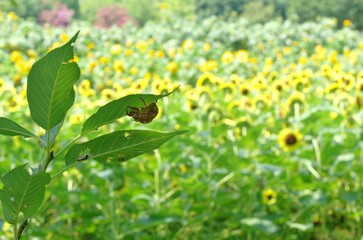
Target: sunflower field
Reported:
point(275, 119)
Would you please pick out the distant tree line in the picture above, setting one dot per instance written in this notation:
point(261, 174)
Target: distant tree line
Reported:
point(297, 10)
point(141, 11)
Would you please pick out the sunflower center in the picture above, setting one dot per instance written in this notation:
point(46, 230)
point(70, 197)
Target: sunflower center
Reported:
point(13, 103)
point(269, 196)
point(361, 87)
point(279, 88)
point(290, 139)
point(245, 91)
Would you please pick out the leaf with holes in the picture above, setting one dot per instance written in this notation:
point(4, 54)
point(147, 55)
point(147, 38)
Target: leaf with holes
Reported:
point(118, 146)
point(22, 193)
point(117, 109)
point(10, 128)
point(50, 90)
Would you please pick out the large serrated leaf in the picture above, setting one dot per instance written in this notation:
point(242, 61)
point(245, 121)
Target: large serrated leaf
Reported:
point(118, 146)
point(117, 109)
point(22, 193)
point(50, 90)
point(10, 128)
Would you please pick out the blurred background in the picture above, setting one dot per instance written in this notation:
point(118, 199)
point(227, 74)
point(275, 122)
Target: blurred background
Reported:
point(270, 91)
point(118, 12)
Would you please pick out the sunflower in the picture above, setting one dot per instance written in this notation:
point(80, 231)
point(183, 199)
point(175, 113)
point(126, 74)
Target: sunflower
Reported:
point(76, 118)
point(108, 94)
point(289, 139)
point(227, 57)
point(242, 56)
point(15, 56)
point(245, 89)
point(269, 196)
point(259, 82)
point(228, 89)
point(206, 47)
point(273, 76)
point(346, 82)
point(325, 70)
point(118, 65)
point(13, 104)
point(263, 101)
point(235, 79)
point(191, 94)
point(206, 79)
point(234, 107)
point(204, 94)
point(297, 99)
point(360, 75)
point(359, 87)
point(332, 88)
point(116, 49)
point(302, 84)
point(141, 45)
point(347, 23)
point(187, 44)
point(278, 86)
point(344, 102)
point(211, 65)
point(157, 85)
point(2, 85)
point(172, 67)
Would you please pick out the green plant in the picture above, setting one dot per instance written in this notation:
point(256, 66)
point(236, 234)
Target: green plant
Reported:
point(207, 8)
point(259, 11)
point(50, 95)
point(141, 10)
point(26, 9)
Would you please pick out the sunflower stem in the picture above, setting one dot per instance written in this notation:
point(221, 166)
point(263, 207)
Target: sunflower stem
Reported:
point(317, 153)
point(297, 112)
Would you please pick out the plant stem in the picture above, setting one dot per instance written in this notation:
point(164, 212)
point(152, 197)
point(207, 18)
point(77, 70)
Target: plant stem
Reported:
point(157, 178)
point(63, 170)
point(16, 231)
point(68, 144)
point(21, 229)
point(317, 154)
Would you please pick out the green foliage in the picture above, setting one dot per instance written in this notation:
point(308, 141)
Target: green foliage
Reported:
point(88, 9)
point(234, 109)
point(258, 11)
point(309, 10)
point(11, 128)
point(50, 94)
point(207, 8)
point(340, 9)
point(142, 10)
point(118, 146)
point(50, 86)
point(25, 9)
point(105, 114)
point(181, 8)
point(22, 193)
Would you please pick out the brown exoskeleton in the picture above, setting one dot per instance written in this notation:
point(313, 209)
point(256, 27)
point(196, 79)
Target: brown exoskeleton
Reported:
point(144, 114)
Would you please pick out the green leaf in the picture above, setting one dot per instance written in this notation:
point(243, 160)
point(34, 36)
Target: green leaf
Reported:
point(262, 225)
point(22, 193)
point(117, 109)
point(50, 86)
point(53, 133)
point(300, 226)
point(10, 128)
point(14, 3)
point(118, 146)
